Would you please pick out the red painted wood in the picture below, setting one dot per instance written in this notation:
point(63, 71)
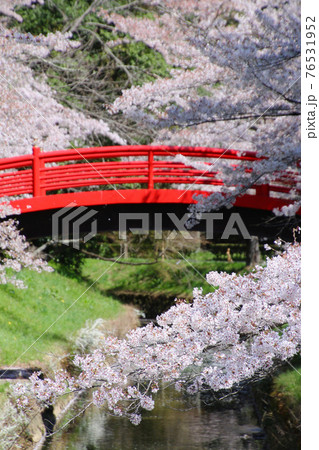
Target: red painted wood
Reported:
point(131, 196)
point(34, 174)
point(151, 170)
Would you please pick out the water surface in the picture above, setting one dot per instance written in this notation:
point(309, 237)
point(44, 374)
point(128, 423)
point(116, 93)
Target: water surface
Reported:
point(175, 423)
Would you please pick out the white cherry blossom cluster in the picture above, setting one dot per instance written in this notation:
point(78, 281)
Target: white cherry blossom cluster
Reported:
point(163, 34)
point(7, 7)
point(60, 42)
point(15, 255)
point(29, 114)
point(237, 332)
point(14, 249)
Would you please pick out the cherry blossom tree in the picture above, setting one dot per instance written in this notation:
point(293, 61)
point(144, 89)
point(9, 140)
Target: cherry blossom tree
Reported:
point(237, 332)
point(235, 83)
point(29, 113)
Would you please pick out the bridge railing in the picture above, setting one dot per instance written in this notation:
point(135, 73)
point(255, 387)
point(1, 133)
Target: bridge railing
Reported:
point(44, 172)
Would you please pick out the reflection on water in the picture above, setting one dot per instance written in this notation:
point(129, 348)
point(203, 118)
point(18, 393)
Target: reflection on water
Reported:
point(166, 427)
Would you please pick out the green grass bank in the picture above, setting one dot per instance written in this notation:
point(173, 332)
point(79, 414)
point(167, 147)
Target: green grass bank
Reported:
point(153, 288)
point(49, 311)
point(55, 305)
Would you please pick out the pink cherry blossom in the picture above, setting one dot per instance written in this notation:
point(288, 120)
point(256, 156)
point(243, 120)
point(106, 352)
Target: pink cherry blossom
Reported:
point(235, 333)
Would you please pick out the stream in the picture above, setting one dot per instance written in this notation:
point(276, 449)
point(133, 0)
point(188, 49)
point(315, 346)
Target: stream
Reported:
point(176, 422)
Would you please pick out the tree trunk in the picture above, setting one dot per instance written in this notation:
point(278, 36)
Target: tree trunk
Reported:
point(163, 250)
point(124, 249)
point(253, 252)
point(197, 240)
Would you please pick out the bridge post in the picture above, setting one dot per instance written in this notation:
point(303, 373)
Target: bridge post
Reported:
point(36, 166)
point(150, 170)
point(262, 190)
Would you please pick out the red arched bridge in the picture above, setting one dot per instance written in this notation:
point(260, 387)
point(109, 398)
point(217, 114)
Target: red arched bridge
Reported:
point(42, 175)
point(138, 180)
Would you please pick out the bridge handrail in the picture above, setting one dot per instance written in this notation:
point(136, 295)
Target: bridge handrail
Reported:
point(37, 179)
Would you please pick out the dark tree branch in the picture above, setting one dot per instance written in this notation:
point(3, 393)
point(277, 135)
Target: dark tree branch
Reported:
point(242, 117)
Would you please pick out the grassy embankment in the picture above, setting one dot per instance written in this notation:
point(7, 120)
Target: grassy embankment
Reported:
point(26, 314)
point(153, 288)
point(279, 402)
point(286, 396)
point(289, 385)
